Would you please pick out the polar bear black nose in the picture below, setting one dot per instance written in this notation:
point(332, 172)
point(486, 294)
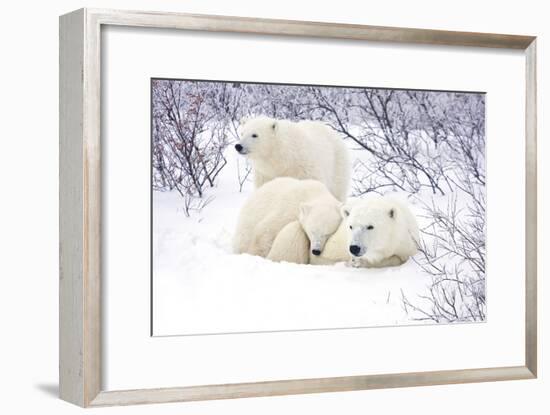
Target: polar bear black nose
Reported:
point(354, 249)
point(238, 147)
point(316, 252)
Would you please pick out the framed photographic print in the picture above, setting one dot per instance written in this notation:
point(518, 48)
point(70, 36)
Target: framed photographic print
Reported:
point(254, 207)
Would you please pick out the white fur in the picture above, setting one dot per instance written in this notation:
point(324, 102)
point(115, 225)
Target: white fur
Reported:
point(303, 150)
point(336, 248)
point(383, 228)
point(390, 242)
point(272, 207)
point(290, 245)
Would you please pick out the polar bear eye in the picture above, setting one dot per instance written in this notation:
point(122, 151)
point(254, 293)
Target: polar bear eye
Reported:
point(351, 227)
point(254, 135)
point(370, 227)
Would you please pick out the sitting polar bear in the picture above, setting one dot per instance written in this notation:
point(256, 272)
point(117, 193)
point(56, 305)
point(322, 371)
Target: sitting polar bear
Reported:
point(303, 150)
point(378, 231)
point(276, 204)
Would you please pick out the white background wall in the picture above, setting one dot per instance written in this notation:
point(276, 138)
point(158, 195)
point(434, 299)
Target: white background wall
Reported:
point(28, 215)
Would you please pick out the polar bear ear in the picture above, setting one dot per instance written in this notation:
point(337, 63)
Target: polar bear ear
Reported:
point(345, 210)
point(392, 213)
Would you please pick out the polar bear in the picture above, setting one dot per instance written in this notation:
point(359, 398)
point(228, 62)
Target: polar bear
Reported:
point(276, 204)
point(336, 248)
point(378, 231)
point(307, 237)
point(382, 231)
point(303, 150)
point(292, 243)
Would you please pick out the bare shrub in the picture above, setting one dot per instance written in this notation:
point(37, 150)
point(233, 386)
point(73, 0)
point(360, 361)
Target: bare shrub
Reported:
point(416, 139)
point(244, 169)
point(188, 142)
point(452, 251)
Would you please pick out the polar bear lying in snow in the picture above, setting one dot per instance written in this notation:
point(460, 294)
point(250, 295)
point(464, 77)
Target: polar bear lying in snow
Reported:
point(274, 206)
point(303, 150)
point(382, 231)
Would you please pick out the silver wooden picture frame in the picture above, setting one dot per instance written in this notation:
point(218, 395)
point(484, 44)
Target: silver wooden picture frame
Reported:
point(80, 367)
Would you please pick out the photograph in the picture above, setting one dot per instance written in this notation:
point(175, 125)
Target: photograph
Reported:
point(283, 207)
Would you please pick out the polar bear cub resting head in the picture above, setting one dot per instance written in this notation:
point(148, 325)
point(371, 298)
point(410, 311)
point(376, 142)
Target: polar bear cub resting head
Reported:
point(306, 238)
point(382, 231)
point(319, 220)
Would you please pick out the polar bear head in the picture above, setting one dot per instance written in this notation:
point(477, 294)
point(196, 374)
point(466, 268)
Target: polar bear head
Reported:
point(257, 137)
point(320, 219)
point(371, 225)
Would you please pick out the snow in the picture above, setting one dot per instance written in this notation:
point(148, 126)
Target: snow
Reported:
point(200, 286)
